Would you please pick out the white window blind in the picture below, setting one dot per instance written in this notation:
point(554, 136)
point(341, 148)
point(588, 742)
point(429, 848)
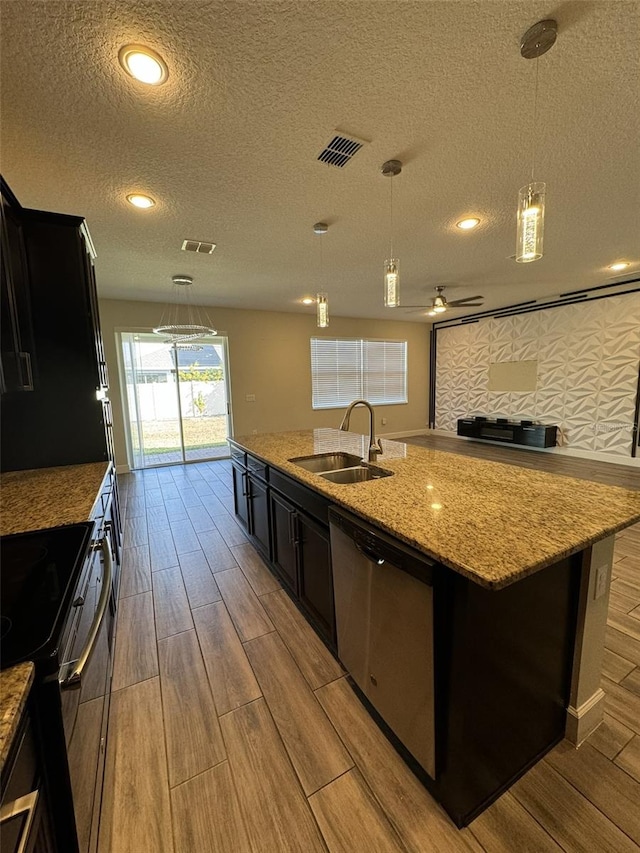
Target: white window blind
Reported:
point(346, 369)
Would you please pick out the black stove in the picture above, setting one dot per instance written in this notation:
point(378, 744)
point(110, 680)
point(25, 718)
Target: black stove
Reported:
point(39, 572)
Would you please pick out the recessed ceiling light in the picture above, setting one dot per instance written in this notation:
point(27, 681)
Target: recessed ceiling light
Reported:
point(619, 265)
point(431, 313)
point(144, 64)
point(467, 224)
point(308, 300)
point(139, 200)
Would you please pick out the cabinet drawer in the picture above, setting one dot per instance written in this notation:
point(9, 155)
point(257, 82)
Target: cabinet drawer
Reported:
point(311, 502)
point(238, 455)
point(258, 467)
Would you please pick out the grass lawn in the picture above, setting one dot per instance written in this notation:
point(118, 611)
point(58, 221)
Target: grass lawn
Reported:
point(199, 432)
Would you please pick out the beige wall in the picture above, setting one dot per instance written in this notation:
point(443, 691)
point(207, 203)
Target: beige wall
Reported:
point(269, 356)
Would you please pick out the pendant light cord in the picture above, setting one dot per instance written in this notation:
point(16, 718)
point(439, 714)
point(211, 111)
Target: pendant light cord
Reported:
point(535, 122)
point(391, 221)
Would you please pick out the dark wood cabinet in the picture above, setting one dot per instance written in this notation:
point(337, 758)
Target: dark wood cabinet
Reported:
point(16, 333)
point(240, 494)
point(257, 493)
point(288, 523)
point(315, 574)
point(66, 420)
point(284, 555)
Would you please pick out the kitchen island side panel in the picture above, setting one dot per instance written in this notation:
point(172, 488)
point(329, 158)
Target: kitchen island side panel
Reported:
point(503, 679)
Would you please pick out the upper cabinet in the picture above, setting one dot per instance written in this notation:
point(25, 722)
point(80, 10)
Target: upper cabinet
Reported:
point(17, 348)
point(66, 419)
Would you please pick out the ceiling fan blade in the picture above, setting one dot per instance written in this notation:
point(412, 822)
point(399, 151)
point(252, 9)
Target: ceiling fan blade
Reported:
point(469, 300)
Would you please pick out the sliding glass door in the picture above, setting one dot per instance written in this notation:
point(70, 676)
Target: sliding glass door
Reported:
point(176, 399)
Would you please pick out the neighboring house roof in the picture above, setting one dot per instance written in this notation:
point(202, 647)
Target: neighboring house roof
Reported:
point(162, 359)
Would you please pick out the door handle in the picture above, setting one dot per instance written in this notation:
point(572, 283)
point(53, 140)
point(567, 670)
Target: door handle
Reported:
point(74, 679)
point(26, 358)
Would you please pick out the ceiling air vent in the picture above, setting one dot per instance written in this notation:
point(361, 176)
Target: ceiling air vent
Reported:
point(340, 150)
point(198, 246)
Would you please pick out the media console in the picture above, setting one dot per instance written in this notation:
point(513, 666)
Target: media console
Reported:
point(527, 433)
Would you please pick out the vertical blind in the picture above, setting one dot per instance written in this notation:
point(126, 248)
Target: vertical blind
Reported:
point(346, 369)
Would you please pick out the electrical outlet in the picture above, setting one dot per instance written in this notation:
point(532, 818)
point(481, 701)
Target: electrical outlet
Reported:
point(254, 432)
point(250, 398)
point(383, 421)
point(602, 576)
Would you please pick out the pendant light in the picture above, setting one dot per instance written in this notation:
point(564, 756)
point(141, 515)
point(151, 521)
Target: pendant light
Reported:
point(537, 40)
point(391, 266)
point(181, 320)
point(322, 298)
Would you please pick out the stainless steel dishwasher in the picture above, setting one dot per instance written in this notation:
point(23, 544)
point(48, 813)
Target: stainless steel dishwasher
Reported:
point(384, 620)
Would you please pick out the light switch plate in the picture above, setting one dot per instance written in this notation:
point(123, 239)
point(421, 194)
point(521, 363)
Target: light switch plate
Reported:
point(250, 398)
point(602, 575)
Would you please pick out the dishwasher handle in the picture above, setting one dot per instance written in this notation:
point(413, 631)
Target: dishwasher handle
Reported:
point(379, 561)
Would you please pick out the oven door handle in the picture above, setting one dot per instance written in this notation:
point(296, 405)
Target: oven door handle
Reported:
point(25, 804)
point(74, 679)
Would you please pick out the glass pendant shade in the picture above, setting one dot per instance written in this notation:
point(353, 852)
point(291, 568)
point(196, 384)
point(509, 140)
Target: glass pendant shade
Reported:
point(391, 283)
point(322, 310)
point(530, 223)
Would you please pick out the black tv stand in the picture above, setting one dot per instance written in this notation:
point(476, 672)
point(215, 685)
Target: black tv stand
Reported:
point(526, 433)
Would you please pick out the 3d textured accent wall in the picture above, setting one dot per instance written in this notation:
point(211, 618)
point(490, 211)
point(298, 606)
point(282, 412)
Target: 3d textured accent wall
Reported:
point(588, 360)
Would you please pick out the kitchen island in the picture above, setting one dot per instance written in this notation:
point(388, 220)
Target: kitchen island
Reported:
point(521, 570)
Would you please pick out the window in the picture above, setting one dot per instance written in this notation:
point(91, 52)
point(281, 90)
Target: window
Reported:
point(346, 369)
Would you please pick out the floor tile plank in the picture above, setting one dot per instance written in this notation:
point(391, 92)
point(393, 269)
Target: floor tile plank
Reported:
point(135, 573)
point(418, 819)
point(610, 789)
point(622, 644)
point(629, 758)
point(135, 531)
point(184, 537)
point(615, 667)
point(231, 531)
point(200, 519)
point(625, 624)
point(176, 510)
point(314, 659)
point(632, 681)
point(351, 819)
point(136, 656)
point(232, 679)
point(255, 571)
point(568, 817)
point(198, 579)
point(610, 736)
point(276, 814)
point(194, 740)
point(136, 813)
point(170, 603)
point(216, 551)
point(506, 826)
point(622, 704)
point(201, 828)
point(162, 550)
point(297, 714)
point(245, 609)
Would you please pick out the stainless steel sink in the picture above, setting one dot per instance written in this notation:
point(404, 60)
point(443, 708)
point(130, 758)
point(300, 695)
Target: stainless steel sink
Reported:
point(326, 462)
point(357, 474)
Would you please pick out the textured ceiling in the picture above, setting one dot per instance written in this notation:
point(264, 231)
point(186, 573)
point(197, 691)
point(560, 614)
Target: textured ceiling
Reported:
point(228, 145)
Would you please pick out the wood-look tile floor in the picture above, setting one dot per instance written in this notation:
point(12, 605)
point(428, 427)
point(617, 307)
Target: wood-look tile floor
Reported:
point(233, 729)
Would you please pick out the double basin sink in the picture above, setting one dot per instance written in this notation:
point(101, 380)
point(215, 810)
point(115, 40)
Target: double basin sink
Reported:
point(340, 467)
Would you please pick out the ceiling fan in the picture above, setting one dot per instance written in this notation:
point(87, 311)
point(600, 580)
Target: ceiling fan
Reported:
point(439, 303)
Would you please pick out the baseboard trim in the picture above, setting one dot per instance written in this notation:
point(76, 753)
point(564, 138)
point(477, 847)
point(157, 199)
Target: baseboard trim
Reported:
point(595, 455)
point(123, 469)
point(407, 432)
point(582, 721)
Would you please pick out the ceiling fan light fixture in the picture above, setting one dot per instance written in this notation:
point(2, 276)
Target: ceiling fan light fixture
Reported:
point(308, 300)
point(143, 64)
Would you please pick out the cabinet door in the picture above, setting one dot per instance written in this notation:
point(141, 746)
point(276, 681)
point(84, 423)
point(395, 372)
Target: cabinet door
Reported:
point(283, 543)
point(316, 581)
point(259, 514)
point(240, 492)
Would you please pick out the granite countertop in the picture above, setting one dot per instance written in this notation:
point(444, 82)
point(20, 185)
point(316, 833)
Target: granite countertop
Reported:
point(49, 497)
point(492, 522)
point(15, 684)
